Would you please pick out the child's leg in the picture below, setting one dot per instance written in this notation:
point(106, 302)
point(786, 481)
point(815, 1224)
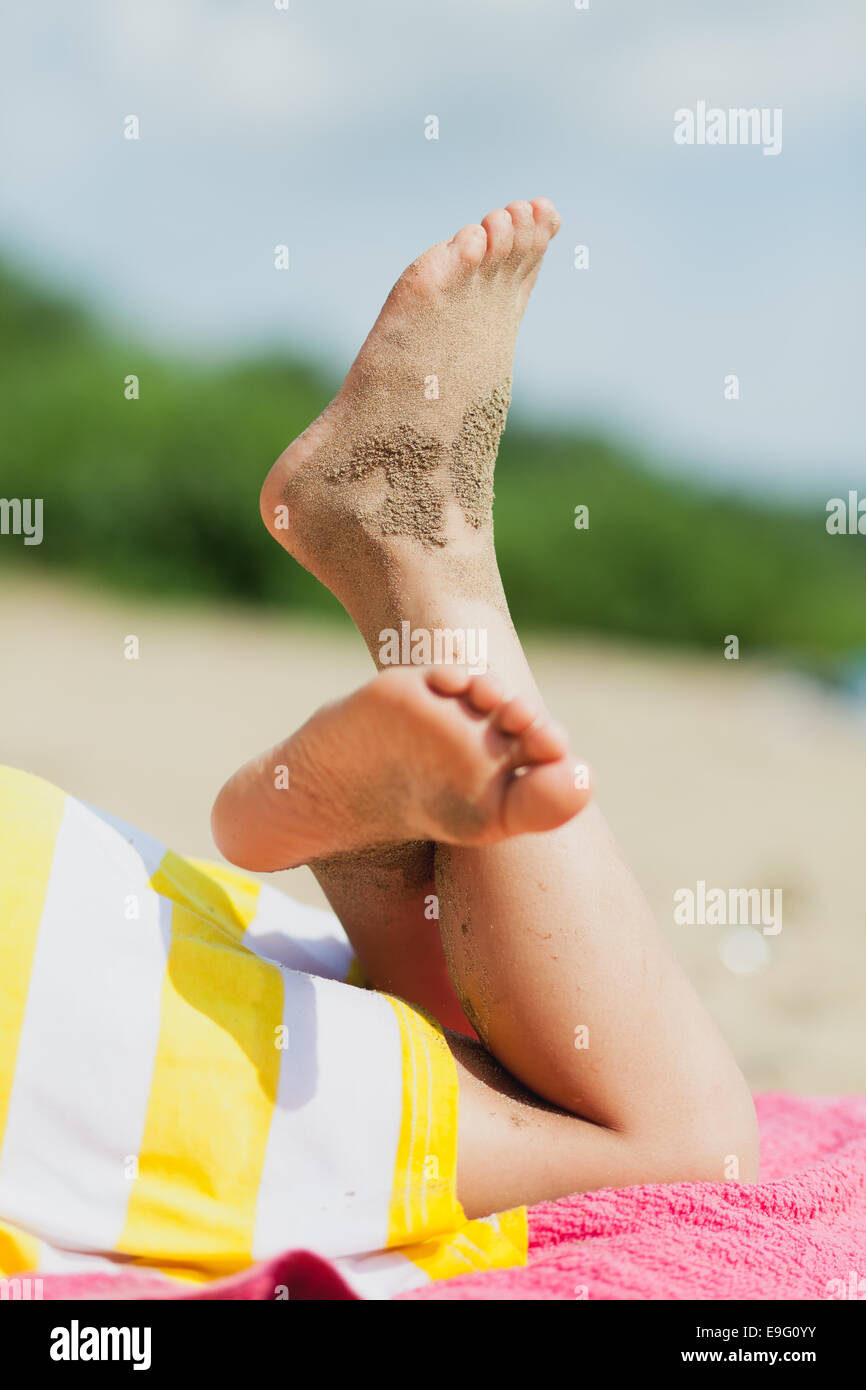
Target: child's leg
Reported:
point(576, 995)
point(387, 903)
point(560, 967)
point(548, 939)
point(436, 367)
point(562, 971)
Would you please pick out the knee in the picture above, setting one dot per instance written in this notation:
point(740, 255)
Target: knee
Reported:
point(721, 1145)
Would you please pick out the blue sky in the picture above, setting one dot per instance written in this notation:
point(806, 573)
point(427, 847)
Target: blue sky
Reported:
point(306, 127)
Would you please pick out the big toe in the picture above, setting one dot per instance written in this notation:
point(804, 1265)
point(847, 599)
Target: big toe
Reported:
point(542, 797)
point(547, 221)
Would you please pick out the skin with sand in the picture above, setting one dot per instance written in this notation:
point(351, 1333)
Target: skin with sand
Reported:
point(584, 1057)
point(410, 462)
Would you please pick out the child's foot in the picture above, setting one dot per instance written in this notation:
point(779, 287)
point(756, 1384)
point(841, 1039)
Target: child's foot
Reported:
point(426, 754)
point(396, 475)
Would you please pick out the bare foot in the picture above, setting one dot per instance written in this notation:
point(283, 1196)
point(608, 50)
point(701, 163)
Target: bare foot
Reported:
point(415, 754)
point(392, 486)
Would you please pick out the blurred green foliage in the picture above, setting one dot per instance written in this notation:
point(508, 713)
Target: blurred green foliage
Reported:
point(161, 494)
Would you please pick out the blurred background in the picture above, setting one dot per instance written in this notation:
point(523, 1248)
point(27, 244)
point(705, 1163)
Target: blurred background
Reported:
point(305, 127)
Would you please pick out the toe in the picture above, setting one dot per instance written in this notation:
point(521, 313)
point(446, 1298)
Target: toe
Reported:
point(542, 742)
point(470, 244)
point(448, 680)
point(523, 221)
point(515, 716)
point(500, 236)
point(547, 221)
point(484, 694)
point(541, 798)
point(427, 275)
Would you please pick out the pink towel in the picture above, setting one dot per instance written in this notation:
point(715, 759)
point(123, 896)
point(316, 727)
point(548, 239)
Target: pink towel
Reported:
point(792, 1235)
point(798, 1233)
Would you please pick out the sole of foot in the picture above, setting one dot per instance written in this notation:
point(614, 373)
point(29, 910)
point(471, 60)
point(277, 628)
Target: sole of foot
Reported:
point(416, 754)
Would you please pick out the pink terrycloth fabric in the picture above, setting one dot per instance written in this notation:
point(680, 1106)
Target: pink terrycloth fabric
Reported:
point(788, 1236)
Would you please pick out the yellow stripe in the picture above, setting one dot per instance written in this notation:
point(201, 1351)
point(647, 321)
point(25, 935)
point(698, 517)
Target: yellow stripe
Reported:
point(497, 1242)
point(223, 896)
point(424, 1189)
point(30, 815)
point(19, 1252)
point(355, 975)
point(192, 1209)
point(241, 890)
point(424, 1193)
point(514, 1226)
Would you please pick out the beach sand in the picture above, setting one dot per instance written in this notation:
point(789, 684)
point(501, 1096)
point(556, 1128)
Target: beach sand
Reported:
point(729, 772)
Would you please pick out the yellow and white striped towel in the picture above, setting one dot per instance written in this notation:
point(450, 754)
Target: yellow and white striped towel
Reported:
point(188, 1083)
